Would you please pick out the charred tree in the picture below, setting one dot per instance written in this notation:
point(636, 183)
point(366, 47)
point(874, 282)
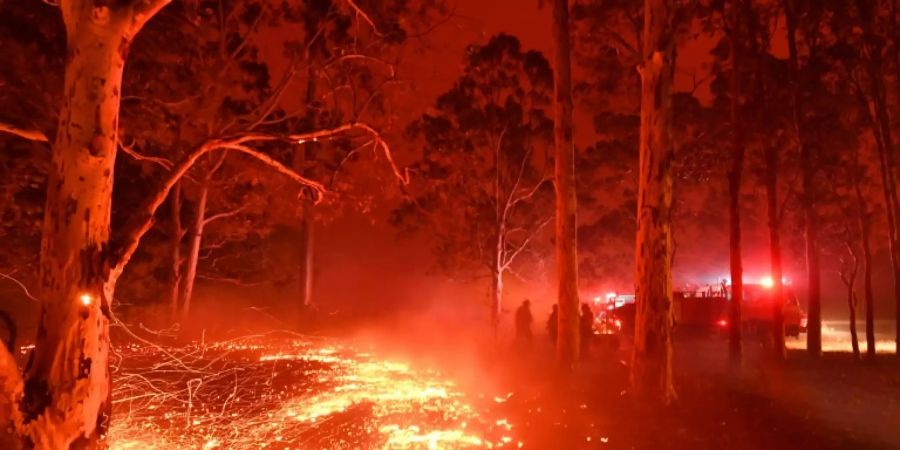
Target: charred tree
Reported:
point(567, 347)
point(651, 373)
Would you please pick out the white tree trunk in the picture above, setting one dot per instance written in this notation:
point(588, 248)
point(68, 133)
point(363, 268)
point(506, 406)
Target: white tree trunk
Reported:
point(193, 260)
point(66, 400)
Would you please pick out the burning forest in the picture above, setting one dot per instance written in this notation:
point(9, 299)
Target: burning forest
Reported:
point(449, 224)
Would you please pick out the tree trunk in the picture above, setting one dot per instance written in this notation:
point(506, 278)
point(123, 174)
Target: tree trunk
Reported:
point(851, 303)
point(301, 163)
point(567, 349)
point(496, 300)
point(306, 255)
point(814, 323)
point(735, 341)
point(865, 227)
point(66, 401)
point(880, 119)
point(651, 373)
point(177, 232)
point(870, 303)
point(194, 255)
point(777, 273)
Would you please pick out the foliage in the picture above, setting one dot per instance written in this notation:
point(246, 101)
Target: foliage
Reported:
point(480, 188)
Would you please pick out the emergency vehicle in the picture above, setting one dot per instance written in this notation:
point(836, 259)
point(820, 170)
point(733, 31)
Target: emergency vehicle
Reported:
point(704, 309)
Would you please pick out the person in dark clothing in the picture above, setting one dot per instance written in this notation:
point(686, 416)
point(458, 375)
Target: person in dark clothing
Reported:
point(586, 328)
point(523, 323)
point(553, 323)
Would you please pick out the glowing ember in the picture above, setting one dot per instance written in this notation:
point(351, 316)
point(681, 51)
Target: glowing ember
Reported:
point(289, 394)
point(85, 299)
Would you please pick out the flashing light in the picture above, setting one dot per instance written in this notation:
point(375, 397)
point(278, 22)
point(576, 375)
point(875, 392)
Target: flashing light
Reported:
point(767, 282)
point(86, 299)
point(610, 295)
point(597, 299)
point(722, 323)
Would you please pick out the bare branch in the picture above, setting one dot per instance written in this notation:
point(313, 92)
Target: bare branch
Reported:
point(222, 215)
point(402, 176)
point(343, 58)
point(530, 193)
point(130, 151)
point(21, 285)
point(365, 17)
point(234, 281)
point(515, 253)
point(141, 221)
point(27, 134)
point(346, 158)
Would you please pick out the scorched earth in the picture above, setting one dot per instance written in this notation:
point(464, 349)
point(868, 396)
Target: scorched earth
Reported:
point(292, 392)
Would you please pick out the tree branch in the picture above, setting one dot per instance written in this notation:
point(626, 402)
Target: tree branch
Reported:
point(365, 17)
point(125, 246)
point(27, 134)
point(21, 285)
point(130, 151)
point(342, 58)
point(515, 253)
point(144, 10)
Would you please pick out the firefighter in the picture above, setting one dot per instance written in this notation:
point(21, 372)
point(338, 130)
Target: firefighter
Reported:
point(553, 323)
point(586, 328)
point(523, 324)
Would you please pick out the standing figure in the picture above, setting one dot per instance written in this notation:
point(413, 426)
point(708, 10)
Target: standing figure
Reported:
point(523, 324)
point(586, 328)
point(553, 324)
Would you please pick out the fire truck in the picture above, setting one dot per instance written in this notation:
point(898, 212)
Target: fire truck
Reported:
point(704, 310)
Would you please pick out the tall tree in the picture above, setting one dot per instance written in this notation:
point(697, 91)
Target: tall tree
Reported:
point(734, 183)
point(567, 342)
point(482, 189)
point(63, 400)
point(808, 172)
point(651, 373)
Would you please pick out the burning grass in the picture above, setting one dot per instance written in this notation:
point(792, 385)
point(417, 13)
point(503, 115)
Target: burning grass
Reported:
point(294, 392)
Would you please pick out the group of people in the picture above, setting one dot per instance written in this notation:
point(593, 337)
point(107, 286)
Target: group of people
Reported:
point(524, 319)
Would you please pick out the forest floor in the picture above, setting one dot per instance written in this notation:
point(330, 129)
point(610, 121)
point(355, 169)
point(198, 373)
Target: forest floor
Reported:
point(831, 403)
point(398, 389)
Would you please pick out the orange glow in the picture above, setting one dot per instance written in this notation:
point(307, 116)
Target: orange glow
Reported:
point(289, 393)
point(86, 299)
point(767, 282)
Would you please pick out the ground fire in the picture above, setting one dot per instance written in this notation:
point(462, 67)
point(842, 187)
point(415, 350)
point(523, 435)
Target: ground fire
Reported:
point(449, 224)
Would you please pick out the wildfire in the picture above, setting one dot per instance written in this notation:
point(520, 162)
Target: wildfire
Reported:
point(289, 394)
